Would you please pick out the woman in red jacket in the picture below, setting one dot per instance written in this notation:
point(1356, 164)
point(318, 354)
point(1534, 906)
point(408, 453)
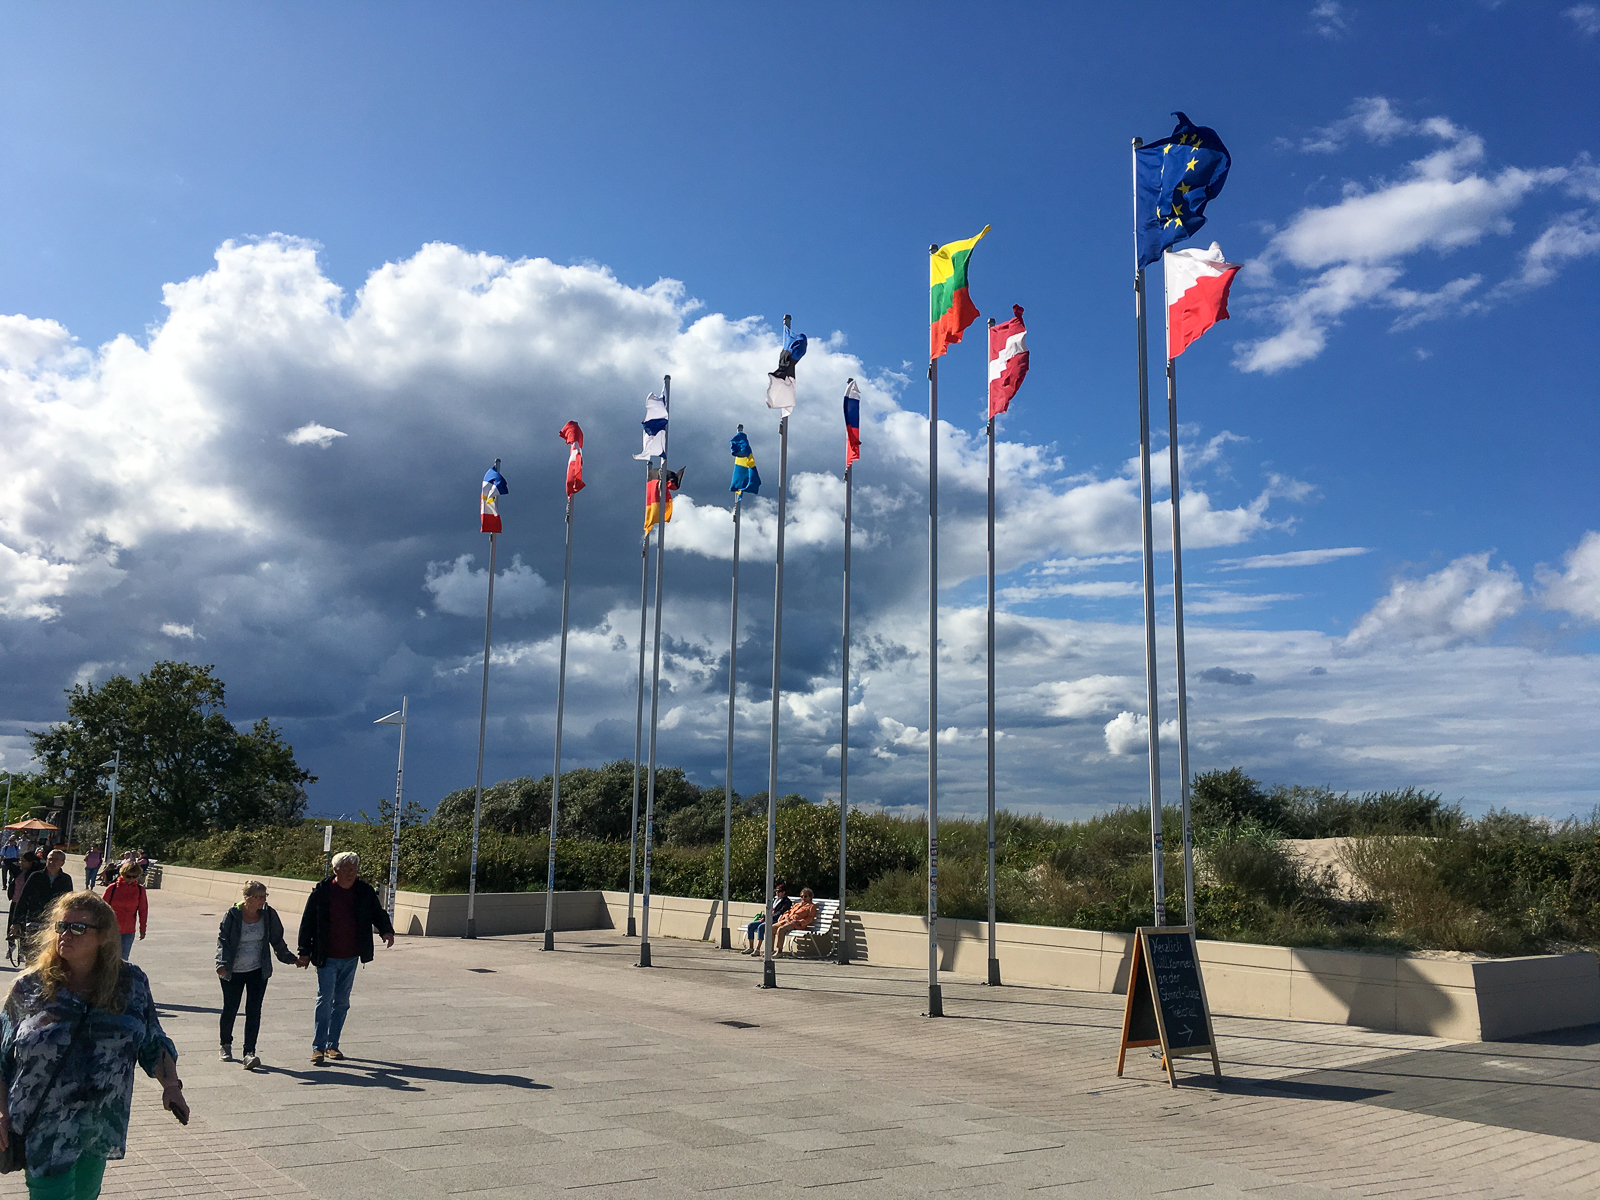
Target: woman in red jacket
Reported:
point(129, 901)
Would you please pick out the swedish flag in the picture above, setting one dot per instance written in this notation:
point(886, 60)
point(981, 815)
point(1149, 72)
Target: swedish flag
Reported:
point(745, 476)
point(1177, 177)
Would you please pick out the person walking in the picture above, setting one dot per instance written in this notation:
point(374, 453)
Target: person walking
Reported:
point(38, 891)
point(92, 862)
point(71, 1030)
point(250, 934)
point(10, 862)
point(336, 935)
point(129, 900)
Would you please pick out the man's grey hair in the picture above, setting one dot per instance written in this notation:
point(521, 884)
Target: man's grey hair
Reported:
point(346, 856)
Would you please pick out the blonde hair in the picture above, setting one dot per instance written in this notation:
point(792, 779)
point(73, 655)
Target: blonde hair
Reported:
point(51, 970)
point(253, 887)
point(128, 870)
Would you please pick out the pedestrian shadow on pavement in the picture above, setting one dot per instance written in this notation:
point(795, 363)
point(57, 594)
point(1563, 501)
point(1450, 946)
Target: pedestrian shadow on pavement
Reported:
point(399, 1077)
point(1235, 1086)
point(162, 1009)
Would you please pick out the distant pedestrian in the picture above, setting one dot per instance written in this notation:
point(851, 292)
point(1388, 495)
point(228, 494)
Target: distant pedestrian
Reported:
point(91, 867)
point(250, 934)
point(10, 862)
point(336, 935)
point(71, 1031)
point(131, 903)
point(38, 891)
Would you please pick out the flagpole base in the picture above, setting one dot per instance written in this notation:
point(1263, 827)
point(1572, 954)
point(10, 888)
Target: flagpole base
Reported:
point(644, 954)
point(727, 939)
point(632, 930)
point(550, 942)
point(994, 972)
point(935, 1001)
point(472, 927)
point(769, 974)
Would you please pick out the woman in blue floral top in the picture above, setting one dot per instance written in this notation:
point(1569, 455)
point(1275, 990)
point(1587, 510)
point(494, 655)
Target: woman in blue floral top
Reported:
point(71, 1031)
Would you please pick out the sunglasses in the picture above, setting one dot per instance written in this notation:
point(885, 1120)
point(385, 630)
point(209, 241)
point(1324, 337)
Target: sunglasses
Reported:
point(77, 928)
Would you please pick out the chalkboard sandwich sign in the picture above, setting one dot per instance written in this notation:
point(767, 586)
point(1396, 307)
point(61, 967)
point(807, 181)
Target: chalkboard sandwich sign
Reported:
point(1167, 999)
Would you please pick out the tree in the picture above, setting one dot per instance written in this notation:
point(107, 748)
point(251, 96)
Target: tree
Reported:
point(185, 769)
point(1223, 799)
point(596, 803)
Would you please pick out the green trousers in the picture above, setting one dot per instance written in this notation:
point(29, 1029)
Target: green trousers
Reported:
point(80, 1181)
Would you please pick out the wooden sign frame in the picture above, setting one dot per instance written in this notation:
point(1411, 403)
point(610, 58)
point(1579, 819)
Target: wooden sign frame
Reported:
point(1143, 970)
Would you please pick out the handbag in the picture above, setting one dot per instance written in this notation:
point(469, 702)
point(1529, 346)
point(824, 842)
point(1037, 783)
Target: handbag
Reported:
point(15, 1156)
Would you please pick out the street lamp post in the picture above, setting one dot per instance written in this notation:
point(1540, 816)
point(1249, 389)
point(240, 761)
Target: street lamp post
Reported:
point(111, 818)
point(396, 718)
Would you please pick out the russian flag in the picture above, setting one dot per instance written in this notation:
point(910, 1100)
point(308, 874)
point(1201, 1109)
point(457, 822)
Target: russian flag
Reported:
point(494, 486)
point(1197, 283)
point(852, 422)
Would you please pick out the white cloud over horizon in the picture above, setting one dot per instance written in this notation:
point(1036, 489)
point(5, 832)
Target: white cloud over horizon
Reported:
point(327, 584)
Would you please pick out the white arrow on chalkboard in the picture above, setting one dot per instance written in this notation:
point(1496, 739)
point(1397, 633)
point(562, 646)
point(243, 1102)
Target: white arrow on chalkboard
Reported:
point(1187, 1031)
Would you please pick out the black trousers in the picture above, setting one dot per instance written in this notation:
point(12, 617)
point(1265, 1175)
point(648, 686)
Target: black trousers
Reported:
point(252, 987)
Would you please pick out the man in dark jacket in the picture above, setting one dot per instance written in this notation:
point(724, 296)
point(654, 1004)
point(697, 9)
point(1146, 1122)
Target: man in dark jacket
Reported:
point(41, 890)
point(336, 934)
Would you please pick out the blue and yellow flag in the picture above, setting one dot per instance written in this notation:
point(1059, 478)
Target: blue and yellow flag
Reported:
point(1177, 177)
point(745, 476)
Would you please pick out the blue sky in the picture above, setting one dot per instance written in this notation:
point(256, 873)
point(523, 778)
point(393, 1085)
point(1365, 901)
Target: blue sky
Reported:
point(1413, 193)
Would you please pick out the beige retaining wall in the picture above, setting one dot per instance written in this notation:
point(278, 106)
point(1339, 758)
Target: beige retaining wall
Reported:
point(1466, 999)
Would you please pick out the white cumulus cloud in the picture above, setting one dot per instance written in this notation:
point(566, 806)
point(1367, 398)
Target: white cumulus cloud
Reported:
point(463, 592)
point(312, 434)
point(1464, 601)
point(1575, 588)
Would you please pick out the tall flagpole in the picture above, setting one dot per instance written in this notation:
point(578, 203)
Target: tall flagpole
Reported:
point(1177, 611)
point(399, 779)
point(769, 975)
point(663, 494)
point(935, 997)
point(727, 778)
point(844, 720)
point(638, 717)
point(483, 718)
point(555, 778)
point(994, 962)
point(1157, 858)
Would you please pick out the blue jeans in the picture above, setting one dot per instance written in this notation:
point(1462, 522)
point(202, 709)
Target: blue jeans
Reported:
point(334, 979)
point(127, 945)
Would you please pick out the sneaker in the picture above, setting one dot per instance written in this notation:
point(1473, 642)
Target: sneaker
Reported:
point(251, 1061)
point(334, 1053)
point(316, 1058)
point(227, 1054)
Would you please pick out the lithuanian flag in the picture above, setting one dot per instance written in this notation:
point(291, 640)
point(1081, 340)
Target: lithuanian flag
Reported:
point(951, 310)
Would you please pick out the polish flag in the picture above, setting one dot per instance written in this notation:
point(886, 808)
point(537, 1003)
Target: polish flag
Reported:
point(1197, 283)
point(1008, 361)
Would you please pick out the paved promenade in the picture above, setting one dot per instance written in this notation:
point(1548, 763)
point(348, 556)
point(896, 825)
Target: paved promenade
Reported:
point(490, 1069)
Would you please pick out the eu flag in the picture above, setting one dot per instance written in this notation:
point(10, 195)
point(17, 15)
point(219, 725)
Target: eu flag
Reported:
point(1177, 177)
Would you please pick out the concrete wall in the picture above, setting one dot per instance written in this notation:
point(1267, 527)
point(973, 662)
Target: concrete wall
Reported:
point(1466, 999)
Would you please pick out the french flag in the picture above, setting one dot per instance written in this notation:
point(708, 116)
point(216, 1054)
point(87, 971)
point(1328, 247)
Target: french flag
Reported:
point(1197, 283)
point(852, 422)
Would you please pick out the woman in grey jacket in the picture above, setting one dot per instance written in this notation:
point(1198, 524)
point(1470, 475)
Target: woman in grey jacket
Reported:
point(250, 934)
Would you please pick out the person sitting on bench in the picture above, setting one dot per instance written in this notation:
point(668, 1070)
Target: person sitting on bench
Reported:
point(800, 917)
point(753, 932)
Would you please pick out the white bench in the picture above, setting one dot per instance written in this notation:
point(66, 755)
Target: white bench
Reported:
point(822, 927)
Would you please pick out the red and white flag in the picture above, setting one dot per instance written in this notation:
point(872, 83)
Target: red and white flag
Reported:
point(572, 435)
point(1197, 283)
point(1008, 361)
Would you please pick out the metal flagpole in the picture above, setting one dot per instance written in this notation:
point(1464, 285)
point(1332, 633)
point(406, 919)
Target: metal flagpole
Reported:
point(994, 962)
point(662, 496)
point(111, 818)
point(844, 719)
point(555, 779)
point(935, 997)
point(483, 718)
point(638, 718)
point(399, 779)
point(1157, 858)
point(769, 975)
point(1177, 612)
point(727, 784)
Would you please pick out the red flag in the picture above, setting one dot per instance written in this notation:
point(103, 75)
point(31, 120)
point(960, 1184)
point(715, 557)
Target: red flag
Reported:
point(1008, 361)
point(1197, 283)
point(572, 435)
